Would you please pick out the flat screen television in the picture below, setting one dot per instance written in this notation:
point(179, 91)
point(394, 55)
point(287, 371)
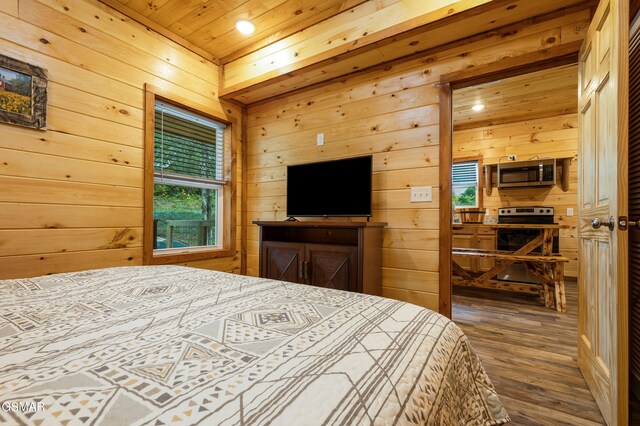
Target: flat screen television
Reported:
point(330, 188)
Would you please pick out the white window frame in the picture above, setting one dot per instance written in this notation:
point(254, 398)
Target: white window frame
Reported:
point(467, 184)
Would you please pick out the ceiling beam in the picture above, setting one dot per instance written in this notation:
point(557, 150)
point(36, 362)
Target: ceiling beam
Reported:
point(358, 28)
point(467, 20)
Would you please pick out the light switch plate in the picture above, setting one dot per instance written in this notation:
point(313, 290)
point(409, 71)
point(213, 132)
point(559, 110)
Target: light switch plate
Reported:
point(320, 139)
point(569, 211)
point(421, 194)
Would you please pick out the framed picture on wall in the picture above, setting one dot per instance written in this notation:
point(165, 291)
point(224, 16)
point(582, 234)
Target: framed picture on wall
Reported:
point(23, 93)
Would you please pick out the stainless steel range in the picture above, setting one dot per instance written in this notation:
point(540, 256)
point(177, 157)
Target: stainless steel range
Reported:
point(514, 238)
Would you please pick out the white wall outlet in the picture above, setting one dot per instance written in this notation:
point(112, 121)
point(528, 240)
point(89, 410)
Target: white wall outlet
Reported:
point(569, 211)
point(320, 139)
point(421, 194)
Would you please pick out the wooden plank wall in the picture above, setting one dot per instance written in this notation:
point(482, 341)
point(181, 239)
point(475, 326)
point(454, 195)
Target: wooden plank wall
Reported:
point(545, 137)
point(391, 113)
point(72, 196)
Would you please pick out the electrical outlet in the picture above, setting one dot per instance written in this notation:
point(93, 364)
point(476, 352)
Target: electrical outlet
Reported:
point(320, 139)
point(421, 194)
point(512, 157)
point(569, 211)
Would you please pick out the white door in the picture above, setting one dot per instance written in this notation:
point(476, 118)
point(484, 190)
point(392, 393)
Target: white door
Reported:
point(602, 249)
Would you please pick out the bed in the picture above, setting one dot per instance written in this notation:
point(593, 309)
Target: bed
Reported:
point(165, 345)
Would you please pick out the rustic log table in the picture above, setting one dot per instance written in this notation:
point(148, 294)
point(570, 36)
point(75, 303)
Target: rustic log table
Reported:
point(546, 266)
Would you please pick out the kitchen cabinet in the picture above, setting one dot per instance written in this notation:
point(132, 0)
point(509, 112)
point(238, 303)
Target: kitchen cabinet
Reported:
point(477, 238)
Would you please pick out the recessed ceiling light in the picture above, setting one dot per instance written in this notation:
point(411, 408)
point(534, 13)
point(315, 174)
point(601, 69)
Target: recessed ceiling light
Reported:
point(245, 27)
point(478, 107)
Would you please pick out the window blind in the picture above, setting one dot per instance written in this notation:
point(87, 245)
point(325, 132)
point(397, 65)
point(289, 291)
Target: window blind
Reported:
point(187, 146)
point(465, 173)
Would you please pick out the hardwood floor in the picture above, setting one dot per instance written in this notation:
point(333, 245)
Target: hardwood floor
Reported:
point(530, 354)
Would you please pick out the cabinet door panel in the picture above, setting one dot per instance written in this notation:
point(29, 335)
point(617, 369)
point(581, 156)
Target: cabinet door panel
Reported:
point(463, 241)
point(333, 266)
point(486, 242)
point(282, 261)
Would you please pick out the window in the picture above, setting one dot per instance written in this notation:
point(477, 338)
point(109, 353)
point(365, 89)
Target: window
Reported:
point(188, 194)
point(466, 184)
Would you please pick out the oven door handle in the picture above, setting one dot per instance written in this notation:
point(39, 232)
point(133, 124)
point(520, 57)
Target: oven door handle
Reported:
point(540, 173)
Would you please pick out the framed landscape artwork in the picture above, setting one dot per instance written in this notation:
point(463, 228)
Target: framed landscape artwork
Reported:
point(23, 93)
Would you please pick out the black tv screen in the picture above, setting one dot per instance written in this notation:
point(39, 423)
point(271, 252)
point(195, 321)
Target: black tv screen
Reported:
point(330, 188)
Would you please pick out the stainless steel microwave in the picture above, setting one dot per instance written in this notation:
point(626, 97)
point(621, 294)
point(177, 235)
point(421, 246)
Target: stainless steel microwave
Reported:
point(527, 173)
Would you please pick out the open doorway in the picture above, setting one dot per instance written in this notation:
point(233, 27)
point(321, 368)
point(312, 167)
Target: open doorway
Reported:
point(514, 202)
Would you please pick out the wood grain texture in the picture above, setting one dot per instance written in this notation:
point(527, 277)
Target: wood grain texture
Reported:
point(603, 350)
point(530, 355)
point(72, 195)
point(553, 56)
point(547, 93)
point(549, 269)
point(516, 287)
point(227, 193)
point(210, 24)
point(634, 212)
point(292, 68)
point(537, 138)
point(140, 18)
point(365, 24)
point(392, 114)
point(493, 227)
point(506, 255)
point(10, 7)
point(446, 209)
point(621, 55)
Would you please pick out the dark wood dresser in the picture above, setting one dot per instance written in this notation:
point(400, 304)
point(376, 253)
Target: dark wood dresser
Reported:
point(339, 255)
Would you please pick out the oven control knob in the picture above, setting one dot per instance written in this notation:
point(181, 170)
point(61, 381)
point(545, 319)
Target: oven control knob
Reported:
point(548, 211)
point(541, 211)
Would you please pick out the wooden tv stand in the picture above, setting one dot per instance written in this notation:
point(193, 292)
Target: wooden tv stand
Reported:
point(339, 255)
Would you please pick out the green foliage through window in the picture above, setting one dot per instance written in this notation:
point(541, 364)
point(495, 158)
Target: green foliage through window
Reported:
point(465, 184)
point(183, 216)
point(188, 174)
point(466, 198)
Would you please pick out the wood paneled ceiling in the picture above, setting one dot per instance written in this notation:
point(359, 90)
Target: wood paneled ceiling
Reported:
point(300, 43)
point(540, 94)
point(210, 24)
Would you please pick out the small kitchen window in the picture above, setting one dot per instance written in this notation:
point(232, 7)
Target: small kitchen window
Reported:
point(466, 186)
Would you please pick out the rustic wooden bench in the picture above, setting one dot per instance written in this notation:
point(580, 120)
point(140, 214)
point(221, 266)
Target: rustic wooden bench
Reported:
point(506, 255)
point(548, 268)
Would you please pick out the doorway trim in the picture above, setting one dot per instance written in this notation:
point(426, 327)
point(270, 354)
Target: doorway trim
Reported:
point(556, 56)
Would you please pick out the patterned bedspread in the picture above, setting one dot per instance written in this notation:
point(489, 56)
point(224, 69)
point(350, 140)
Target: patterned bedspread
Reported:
point(172, 345)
